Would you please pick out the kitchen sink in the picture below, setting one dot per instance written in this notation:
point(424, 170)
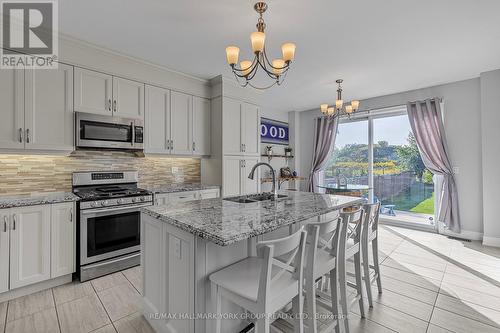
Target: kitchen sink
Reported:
point(254, 197)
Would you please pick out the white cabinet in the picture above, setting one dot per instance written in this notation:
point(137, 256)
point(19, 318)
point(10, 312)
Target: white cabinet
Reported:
point(157, 120)
point(165, 198)
point(176, 123)
point(12, 97)
point(4, 249)
point(93, 92)
point(201, 126)
point(105, 94)
point(235, 171)
point(208, 194)
point(183, 196)
point(63, 245)
point(240, 125)
point(181, 123)
point(128, 98)
point(37, 109)
point(29, 245)
point(49, 120)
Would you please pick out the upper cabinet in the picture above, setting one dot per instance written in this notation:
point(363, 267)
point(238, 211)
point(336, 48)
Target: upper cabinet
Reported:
point(128, 98)
point(93, 92)
point(240, 122)
point(104, 94)
point(38, 109)
point(176, 123)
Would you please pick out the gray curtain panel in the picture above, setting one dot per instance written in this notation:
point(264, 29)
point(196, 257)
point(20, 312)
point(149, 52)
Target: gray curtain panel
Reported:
point(427, 124)
point(325, 131)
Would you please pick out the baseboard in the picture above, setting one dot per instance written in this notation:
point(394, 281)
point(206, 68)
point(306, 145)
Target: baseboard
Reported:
point(33, 288)
point(491, 241)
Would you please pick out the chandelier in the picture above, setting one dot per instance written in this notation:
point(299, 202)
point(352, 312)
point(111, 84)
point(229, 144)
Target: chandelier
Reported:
point(339, 109)
point(276, 70)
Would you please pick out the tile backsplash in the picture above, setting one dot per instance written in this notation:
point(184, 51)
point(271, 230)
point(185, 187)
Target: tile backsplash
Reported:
point(27, 174)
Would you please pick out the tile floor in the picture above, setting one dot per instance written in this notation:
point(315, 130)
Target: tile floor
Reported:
point(430, 284)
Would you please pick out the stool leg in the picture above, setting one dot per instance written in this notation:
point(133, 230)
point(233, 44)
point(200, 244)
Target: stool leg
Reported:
point(343, 295)
point(263, 325)
point(216, 304)
point(311, 307)
point(298, 311)
point(359, 283)
point(366, 271)
point(376, 263)
point(335, 300)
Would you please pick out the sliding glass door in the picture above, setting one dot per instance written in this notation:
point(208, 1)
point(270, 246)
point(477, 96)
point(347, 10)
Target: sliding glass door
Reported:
point(379, 152)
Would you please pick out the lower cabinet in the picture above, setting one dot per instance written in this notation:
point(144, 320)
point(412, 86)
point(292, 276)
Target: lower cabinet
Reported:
point(164, 198)
point(37, 243)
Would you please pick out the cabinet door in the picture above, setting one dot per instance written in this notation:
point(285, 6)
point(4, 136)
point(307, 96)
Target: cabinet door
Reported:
point(231, 127)
point(232, 172)
point(250, 186)
point(4, 249)
point(62, 239)
point(181, 123)
point(201, 126)
point(128, 98)
point(93, 92)
point(49, 121)
point(161, 199)
point(250, 122)
point(29, 245)
point(157, 120)
point(12, 97)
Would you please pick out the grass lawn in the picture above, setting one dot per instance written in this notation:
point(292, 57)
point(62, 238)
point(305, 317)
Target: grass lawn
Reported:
point(425, 207)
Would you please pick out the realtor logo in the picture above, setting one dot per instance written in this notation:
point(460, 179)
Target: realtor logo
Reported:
point(29, 34)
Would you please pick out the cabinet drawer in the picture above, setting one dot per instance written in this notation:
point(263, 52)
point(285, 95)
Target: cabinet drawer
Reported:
point(183, 196)
point(209, 194)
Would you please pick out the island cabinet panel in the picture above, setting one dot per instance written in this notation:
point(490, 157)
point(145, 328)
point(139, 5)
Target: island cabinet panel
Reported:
point(168, 268)
point(4, 249)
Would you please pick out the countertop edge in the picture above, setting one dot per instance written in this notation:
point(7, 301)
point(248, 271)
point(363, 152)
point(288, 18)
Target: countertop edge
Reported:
point(40, 199)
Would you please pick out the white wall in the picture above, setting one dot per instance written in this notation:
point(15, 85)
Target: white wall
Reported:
point(462, 118)
point(490, 119)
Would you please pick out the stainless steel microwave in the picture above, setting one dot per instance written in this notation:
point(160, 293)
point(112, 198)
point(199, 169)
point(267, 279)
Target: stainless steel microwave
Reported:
point(96, 131)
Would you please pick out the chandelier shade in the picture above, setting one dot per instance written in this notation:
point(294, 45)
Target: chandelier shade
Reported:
point(339, 109)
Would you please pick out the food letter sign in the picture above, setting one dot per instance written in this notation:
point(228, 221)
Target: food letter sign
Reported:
point(273, 131)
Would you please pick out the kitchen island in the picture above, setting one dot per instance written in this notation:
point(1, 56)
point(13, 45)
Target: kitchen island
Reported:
point(183, 243)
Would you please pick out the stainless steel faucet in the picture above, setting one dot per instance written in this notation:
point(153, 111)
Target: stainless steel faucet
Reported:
point(273, 173)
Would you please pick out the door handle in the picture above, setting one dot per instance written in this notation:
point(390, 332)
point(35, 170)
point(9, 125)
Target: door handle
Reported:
point(71, 215)
point(171, 144)
point(27, 135)
point(133, 133)
point(4, 223)
point(20, 135)
point(194, 146)
point(114, 106)
point(109, 104)
point(14, 222)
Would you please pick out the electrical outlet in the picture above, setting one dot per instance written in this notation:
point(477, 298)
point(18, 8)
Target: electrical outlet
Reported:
point(456, 170)
point(175, 170)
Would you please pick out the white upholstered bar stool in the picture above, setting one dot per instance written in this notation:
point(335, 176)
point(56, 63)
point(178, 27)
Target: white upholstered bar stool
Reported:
point(321, 259)
point(350, 247)
point(266, 283)
point(369, 234)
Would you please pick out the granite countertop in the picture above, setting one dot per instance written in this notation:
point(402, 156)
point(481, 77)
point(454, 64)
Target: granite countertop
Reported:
point(225, 222)
point(36, 199)
point(172, 188)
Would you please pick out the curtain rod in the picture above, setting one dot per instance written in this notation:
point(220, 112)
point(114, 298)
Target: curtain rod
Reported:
point(385, 107)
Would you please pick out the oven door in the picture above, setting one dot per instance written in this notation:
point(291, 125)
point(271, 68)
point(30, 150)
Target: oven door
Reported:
point(95, 131)
point(109, 232)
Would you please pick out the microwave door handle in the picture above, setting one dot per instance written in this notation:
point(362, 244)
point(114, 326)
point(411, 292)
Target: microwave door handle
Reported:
point(133, 133)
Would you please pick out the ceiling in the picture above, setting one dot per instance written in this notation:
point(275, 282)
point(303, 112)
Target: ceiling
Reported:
point(377, 46)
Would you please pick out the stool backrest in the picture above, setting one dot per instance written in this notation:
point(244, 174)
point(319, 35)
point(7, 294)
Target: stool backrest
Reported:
point(352, 223)
point(370, 223)
point(286, 255)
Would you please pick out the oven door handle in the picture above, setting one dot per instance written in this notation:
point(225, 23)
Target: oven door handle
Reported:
point(109, 210)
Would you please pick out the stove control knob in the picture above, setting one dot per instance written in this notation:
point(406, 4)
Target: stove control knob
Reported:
point(93, 204)
point(143, 199)
point(134, 200)
point(104, 203)
point(119, 201)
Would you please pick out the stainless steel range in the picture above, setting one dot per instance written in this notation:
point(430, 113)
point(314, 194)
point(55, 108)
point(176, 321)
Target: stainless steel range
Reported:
point(109, 221)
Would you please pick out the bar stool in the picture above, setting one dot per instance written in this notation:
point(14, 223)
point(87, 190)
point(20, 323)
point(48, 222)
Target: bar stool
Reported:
point(266, 283)
point(321, 260)
point(350, 247)
point(369, 234)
